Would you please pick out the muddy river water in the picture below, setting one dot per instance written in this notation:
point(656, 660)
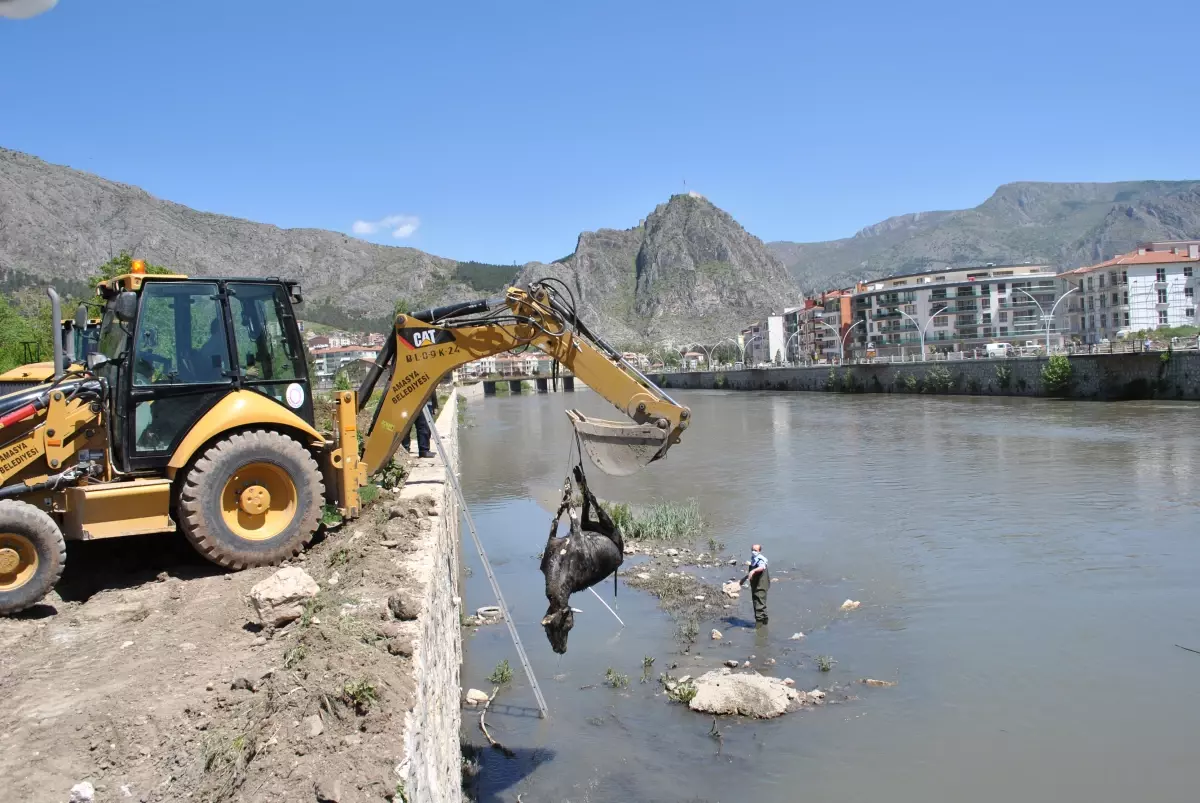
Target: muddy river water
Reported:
point(1025, 568)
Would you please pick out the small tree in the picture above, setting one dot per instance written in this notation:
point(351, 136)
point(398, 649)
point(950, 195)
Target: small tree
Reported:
point(121, 264)
point(341, 381)
point(1056, 375)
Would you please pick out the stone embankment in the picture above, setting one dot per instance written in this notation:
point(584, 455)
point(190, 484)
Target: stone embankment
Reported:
point(1101, 377)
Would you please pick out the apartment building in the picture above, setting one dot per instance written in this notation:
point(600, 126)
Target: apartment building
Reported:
point(1152, 287)
point(328, 361)
point(958, 310)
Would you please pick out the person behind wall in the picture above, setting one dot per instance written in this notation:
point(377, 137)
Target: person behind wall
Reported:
point(422, 427)
point(760, 581)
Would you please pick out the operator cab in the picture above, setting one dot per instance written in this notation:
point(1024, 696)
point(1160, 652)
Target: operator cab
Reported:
point(171, 347)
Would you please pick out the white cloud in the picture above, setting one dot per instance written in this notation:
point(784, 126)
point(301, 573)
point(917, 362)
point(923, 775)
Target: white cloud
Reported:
point(24, 9)
point(400, 226)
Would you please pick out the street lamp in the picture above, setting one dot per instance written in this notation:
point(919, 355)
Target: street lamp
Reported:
point(842, 340)
point(746, 344)
point(787, 343)
point(1048, 319)
point(922, 328)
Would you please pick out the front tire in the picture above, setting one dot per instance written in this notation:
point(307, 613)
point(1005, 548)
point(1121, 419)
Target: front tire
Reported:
point(252, 499)
point(32, 555)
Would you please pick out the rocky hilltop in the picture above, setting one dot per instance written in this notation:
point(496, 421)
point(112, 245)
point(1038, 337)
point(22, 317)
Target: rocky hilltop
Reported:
point(1067, 225)
point(688, 272)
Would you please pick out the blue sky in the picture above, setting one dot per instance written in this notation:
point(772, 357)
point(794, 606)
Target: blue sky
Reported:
point(499, 131)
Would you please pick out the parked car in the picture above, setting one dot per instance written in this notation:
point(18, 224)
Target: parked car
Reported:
point(1000, 350)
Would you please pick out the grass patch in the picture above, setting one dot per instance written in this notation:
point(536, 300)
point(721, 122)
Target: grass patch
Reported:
point(293, 657)
point(330, 516)
point(683, 693)
point(660, 521)
point(687, 631)
point(369, 493)
point(501, 674)
point(391, 476)
point(825, 663)
point(615, 679)
point(647, 663)
point(312, 606)
point(360, 695)
point(339, 558)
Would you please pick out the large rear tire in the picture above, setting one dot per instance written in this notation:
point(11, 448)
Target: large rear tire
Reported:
point(252, 499)
point(32, 555)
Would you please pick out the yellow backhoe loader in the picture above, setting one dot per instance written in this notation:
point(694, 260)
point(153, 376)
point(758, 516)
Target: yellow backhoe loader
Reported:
point(79, 336)
point(195, 412)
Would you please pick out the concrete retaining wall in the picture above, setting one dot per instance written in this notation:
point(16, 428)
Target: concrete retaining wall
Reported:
point(431, 769)
point(1157, 375)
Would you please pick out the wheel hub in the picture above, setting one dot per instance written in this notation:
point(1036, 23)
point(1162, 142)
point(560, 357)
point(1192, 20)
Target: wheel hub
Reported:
point(255, 500)
point(9, 560)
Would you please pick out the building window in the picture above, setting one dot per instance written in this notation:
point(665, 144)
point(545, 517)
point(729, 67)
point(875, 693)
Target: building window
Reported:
point(1187, 270)
point(1101, 281)
point(1162, 296)
point(1160, 274)
point(942, 320)
point(1000, 287)
point(1190, 312)
point(1003, 331)
point(910, 309)
point(1189, 291)
point(1162, 317)
point(1103, 298)
point(987, 317)
point(1127, 319)
point(1003, 317)
point(1091, 322)
point(1114, 299)
point(1125, 298)
point(1091, 302)
point(1089, 283)
point(1103, 321)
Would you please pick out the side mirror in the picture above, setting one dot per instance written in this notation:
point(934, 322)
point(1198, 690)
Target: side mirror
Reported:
point(125, 306)
point(95, 360)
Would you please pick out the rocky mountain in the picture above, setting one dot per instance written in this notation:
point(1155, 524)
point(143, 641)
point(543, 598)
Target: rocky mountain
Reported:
point(1067, 225)
point(688, 271)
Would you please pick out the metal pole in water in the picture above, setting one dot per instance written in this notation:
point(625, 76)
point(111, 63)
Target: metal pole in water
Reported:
point(487, 566)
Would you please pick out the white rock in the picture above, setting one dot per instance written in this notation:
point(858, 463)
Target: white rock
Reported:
point(733, 561)
point(699, 598)
point(796, 637)
point(83, 792)
point(789, 682)
point(744, 694)
point(314, 724)
point(476, 697)
point(125, 644)
point(280, 598)
point(187, 646)
point(670, 553)
point(684, 679)
point(850, 604)
point(643, 575)
point(731, 663)
point(334, 579)
point(125, 790)
point(732, 589)
point(716, 634)
point(816, 694)
point(746, 665)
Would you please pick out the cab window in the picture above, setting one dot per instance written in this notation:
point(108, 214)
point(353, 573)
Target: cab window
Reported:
point(180, 336)
point(266, 348)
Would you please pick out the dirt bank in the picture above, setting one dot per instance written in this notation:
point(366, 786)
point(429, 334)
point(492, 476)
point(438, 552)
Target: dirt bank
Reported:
point(147, 674)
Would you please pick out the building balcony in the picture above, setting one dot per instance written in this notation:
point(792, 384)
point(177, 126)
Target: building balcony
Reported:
point(881, 315)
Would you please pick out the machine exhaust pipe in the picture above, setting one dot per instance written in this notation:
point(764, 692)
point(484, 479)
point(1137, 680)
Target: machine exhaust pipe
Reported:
point(56, 335)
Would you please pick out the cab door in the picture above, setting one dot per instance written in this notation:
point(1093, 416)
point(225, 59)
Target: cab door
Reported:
point(181, 367)
point(268, 355)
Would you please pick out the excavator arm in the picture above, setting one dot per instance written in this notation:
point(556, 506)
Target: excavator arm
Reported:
point(428, 345)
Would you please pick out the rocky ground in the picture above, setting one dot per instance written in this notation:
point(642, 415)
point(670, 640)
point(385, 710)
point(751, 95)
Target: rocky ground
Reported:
point(151, 677)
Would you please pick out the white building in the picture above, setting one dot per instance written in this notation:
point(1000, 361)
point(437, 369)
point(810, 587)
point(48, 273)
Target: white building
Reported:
point(958, 310)
point(1146, 289)
point(329, 361)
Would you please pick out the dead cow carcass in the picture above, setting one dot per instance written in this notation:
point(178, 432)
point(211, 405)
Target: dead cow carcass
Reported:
point(590, 552)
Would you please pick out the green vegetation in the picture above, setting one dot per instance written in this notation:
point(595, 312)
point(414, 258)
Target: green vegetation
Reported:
point(391, 476)
point(121, 264)
point(341, 381)
point(679, 692)
point(825, 663)
point(910, 383)
point(687, 631)
point(360, 695)
point(484, 277)
point(1003, 376)
point(293, 657)
point(647, 663)
point(339, 558)
point(1056, 375)
point(368, 493)
point(661, 521)
point(1165, 333)
point(501, 674)
point(616, 679)
point(330, 516)
point(938, 380)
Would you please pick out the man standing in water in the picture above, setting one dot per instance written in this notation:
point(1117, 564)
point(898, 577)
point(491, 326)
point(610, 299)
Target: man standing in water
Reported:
point(760, 581)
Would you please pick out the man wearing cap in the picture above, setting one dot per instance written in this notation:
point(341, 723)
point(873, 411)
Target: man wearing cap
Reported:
point(760, 581)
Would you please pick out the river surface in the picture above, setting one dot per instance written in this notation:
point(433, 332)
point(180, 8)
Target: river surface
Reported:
point(1025, 568)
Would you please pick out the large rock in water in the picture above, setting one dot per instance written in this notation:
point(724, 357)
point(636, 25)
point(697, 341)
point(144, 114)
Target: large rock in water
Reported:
point(744, 694)
point(280, 598)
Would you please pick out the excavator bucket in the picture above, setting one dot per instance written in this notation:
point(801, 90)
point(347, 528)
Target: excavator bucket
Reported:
point(618, 449)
